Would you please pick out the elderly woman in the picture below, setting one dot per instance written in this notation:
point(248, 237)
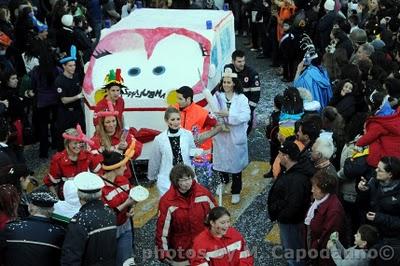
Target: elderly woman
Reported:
point(74, 159)
point(182, 211)
point(230, 151)
point(171, 147)
point(109, 136)
point(321, 153)
point(219, 243)
point(325, 216)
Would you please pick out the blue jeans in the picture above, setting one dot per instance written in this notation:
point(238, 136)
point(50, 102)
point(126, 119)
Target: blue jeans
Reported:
point(124, 243)
point(292, 239)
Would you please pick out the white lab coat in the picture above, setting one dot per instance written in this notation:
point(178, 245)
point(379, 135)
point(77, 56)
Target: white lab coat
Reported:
point(230, 150)
point(160, 162)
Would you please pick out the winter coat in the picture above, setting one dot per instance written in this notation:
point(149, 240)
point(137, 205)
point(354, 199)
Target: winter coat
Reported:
point(161, 158)
point(346, 106)
point(290, 195)
point(386, 205)
point(328, 218)
point(115, 195)
point(32, 241)
point(383, 137)
point(229, 250)
point(91, 237)
point(62, 168)
point(230, 151)
point(325, 27)
point(181, 218)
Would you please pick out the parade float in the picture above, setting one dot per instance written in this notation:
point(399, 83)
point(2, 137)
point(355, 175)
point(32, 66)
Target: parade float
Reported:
point(158, 51)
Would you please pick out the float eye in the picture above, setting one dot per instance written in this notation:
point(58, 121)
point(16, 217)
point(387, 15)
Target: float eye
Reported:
point(158, 70)
point(134, 71)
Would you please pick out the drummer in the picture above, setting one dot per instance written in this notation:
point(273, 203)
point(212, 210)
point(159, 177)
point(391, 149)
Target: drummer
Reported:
point(115, 194)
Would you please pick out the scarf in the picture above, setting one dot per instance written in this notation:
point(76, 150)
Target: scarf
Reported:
point(314, 206)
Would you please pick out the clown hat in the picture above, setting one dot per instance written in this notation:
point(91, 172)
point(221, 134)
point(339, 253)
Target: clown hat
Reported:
point(114, 78)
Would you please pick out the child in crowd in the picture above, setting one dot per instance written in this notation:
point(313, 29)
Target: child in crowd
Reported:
point(358, 255)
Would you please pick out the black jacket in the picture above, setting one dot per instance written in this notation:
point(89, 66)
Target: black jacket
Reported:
point(250, 83)
point(386, 205)
point(346, 106)
point(91, 237)
point(31, 241)
point(290, 195)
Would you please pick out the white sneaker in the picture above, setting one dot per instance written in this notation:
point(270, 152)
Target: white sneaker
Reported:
point(235, 198)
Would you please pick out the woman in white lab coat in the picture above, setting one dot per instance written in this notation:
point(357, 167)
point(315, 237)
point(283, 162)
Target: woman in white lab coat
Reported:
point(171, 147)
point(230, 151)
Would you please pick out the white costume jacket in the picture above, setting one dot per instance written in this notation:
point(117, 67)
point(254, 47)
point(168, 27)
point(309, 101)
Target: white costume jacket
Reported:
point(230, 151)
point(160, 162)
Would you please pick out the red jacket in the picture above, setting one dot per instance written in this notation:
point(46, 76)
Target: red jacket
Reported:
point(383, 137)
point(230, 250)
point(328, 218)
point(114, 196)
point(118, 106)
point(115, 140)
point(62, 168)
point(181, 219)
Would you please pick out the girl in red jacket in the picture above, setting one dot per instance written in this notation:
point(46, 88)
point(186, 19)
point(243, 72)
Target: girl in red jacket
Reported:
point(220, 244)
point(382, 129)
point(74, 159)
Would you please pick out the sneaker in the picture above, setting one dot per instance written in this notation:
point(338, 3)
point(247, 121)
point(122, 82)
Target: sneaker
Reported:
point(254, 49)
point(235, 198)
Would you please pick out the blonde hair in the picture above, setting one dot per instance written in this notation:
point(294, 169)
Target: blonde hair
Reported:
point(105, 139)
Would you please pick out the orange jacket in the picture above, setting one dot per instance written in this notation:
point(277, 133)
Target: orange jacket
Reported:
point(285, 12)
point(194, 116)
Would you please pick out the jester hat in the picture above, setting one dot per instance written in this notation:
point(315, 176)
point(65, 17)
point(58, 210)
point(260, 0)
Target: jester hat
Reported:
point(71, 57)
point(114, 78)
point(110, 111)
